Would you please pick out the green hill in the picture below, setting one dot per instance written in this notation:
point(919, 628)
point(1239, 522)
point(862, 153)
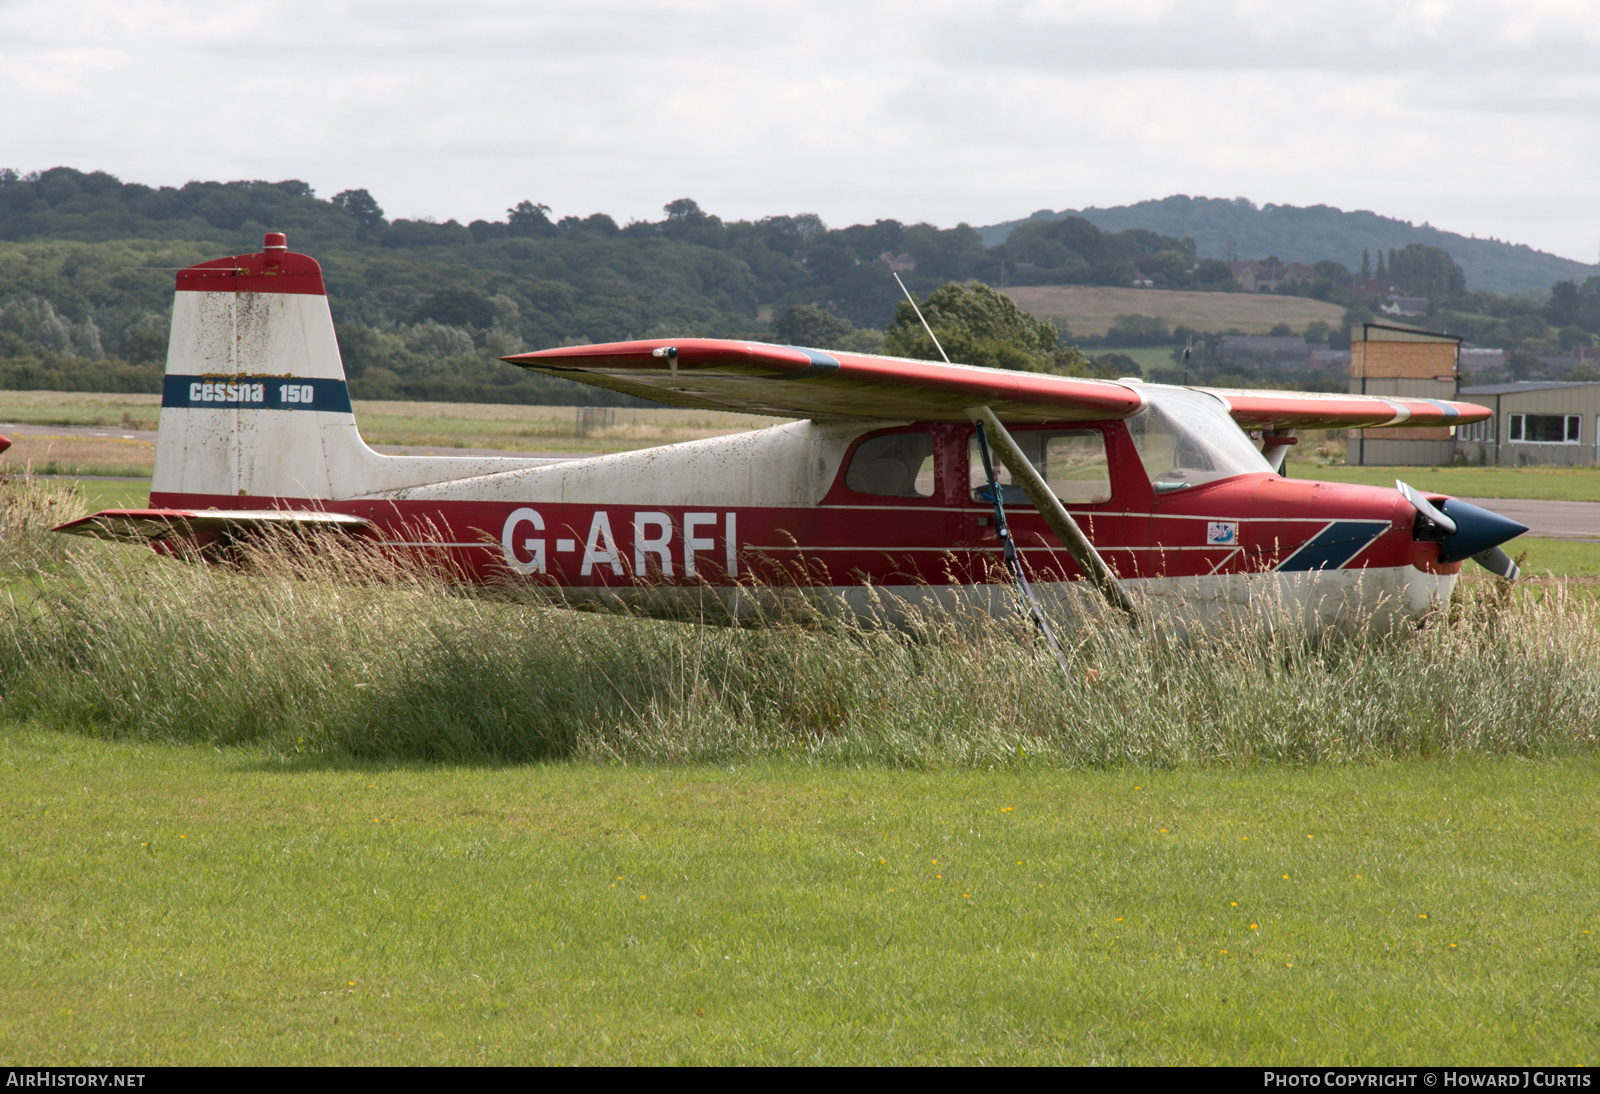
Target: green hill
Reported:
point(425, 308)
point(1310, 234)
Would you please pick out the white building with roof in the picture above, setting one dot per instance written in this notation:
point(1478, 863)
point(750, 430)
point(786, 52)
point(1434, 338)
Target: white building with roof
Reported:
point(1535, 422)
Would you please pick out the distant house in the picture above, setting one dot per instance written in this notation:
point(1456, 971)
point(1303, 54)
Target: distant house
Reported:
point(1534, 422)
point(1477, 360)
point(1405, 305)
point(1580, 355)
point(1375, 287)
point(904, 263)
point(1267, 276)
point(1323, 357)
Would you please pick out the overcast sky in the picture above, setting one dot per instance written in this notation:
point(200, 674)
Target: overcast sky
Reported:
point(1478, 117)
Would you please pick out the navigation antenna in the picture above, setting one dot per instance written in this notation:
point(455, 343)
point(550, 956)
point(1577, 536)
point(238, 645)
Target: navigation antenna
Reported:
point(913, 302)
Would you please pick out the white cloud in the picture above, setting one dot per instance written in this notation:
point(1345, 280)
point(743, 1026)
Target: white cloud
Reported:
point(1474, 114)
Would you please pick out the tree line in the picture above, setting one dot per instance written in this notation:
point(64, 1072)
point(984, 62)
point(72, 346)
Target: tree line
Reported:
point(425, 308)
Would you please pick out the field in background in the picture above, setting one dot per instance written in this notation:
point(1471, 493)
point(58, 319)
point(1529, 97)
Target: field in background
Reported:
point(1089, 310)
point(132, 412)
point(68, 455)
point(1148, 357)
point(542, 428)
point(509, 428)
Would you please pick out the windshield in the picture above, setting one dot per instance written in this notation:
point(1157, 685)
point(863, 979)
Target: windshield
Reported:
point(1186, 438)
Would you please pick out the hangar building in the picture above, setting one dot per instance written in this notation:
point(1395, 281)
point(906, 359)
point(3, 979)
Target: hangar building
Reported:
point(1535, 422)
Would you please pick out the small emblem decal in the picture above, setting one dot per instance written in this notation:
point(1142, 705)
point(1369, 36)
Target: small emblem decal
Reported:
point(1222, 533)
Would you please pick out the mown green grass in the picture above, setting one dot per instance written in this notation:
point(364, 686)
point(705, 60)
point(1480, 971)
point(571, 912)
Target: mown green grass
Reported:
point(99, 494)
point(1540, 483)
point(170, 904)
point(1558, 558)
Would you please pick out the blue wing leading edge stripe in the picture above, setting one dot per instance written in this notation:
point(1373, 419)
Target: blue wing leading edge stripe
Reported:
point(1334, 546)
point(821, 363)
point(255, 393)
point(1450, 412)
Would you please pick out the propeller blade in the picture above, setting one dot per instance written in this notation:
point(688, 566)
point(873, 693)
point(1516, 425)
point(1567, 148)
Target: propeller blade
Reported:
point(1425, 507)
point(1497, 562)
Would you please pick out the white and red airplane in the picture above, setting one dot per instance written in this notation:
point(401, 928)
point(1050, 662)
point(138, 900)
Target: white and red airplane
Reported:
point(881, 494)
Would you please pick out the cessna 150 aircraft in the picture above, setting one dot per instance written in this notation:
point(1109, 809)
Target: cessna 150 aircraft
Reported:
point(884, 490)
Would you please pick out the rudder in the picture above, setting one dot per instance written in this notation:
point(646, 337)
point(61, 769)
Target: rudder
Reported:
point(254, 402)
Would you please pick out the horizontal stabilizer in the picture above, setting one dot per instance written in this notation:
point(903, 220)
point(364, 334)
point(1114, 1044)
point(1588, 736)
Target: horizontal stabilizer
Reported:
point(154, 525)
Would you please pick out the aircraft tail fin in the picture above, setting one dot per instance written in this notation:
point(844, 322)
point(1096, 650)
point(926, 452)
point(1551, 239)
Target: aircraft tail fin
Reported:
point(254, 403)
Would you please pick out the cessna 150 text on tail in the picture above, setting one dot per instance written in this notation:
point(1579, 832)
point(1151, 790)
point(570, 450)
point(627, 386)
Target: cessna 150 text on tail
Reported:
point(878, 494)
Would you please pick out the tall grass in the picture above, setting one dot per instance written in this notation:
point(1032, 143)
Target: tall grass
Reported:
point(29, 508)
point(342, 652)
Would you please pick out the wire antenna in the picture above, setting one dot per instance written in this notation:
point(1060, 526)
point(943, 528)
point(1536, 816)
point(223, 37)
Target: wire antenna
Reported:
point(913, 301)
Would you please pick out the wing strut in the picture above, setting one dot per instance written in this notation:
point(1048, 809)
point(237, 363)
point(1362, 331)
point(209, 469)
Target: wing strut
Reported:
point(1055, 514)
point(1008, 551)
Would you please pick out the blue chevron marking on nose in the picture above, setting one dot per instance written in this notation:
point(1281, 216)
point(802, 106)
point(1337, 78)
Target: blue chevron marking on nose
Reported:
point(1337, 543)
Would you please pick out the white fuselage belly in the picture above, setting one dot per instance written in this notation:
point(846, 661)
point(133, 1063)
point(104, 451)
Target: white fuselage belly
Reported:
point(1380, 598)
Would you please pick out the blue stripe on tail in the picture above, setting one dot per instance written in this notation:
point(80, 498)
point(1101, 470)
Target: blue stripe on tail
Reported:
point(256, 393)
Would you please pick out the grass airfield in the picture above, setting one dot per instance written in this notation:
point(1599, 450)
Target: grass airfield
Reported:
point(186, 905)
point(507, 428)
point(186, 893)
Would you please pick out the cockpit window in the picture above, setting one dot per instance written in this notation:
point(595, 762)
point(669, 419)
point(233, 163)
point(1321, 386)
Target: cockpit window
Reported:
point(1186, 438)
point(897, 465)
point(1071, 461)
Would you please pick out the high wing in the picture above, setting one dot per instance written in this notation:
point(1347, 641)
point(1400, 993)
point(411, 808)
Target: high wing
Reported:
point(1331, 410)
point(711, 374)
point(154, 525)
point(791, 382)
